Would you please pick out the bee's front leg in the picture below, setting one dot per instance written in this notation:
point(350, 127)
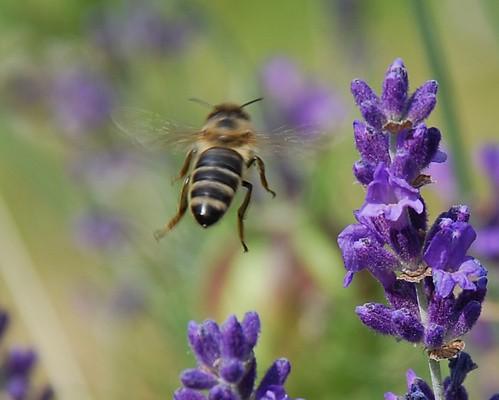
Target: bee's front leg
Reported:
point(183, 204)
point(185, 166)
point(261, 170)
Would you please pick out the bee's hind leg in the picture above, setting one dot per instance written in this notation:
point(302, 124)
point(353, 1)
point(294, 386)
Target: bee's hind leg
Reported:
point(261, 170)
point(183, 204)
point(241, 212)
point(185, 166)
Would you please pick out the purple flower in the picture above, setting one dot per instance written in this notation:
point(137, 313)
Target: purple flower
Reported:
point(445, 252)
point(489, 156)
point(418, 389)
point(140, 28)
point(395, 110)
point(449, 317)
point(16, 369)
point(99, 229)
point(227, 365)
point(82, 101)
point(390, 197)
point(299, 101)
point(362, 249)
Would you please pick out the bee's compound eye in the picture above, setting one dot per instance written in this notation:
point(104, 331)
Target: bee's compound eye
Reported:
point(228, 123)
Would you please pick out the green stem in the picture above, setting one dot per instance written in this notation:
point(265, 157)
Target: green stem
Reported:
point(435, 373)
point(434, 52)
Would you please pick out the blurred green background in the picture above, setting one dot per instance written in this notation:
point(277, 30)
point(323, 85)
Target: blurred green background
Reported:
point(103, 303)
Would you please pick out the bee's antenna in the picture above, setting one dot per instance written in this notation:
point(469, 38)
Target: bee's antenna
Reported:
point(202, 102)
point(251, 102)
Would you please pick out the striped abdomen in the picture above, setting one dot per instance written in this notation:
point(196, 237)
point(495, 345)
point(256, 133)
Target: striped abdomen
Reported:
point(215, 179)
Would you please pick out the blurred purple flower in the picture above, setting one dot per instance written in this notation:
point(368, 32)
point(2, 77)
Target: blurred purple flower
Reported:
point(106, 170)
point(16, 369)
point(227, 365)
point(82, 101)
point(141, 28)
point(297, 100)
point(487, 244)
point(100, 230)
point(489, 157)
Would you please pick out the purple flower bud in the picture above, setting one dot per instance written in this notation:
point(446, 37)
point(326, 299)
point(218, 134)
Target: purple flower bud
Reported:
point(20, 361)
point(233, 340)
point(422, 102)
point(466, 320)
point(188, 394)
point(407, 325)
point(251, 328)
point(418, 389)
point(276, 375)
point(205, 340)
point(222, 392)
point(434, 336)
point(231, 370)
point(377, 317)
point(17, 387)
point(459, 367)
point(394, 94)
point(246, 385)
point(368, 103)
point(198, 379)
point(363, 172)
point(402, 294)
point(371, 144)
point(416, 149)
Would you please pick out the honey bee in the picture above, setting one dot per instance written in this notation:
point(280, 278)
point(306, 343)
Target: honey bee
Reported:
point(216, 165)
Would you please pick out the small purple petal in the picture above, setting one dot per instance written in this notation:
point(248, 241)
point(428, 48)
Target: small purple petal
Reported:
point(391, 396)
point(368, 103)
point(198, 379)
point(395, 86)
point(402, 294)
point(422, 102)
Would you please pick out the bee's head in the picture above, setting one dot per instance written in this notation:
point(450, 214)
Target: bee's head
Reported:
point(227, 115)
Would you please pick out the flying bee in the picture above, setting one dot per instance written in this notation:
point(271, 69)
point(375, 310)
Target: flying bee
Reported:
point(218, 159)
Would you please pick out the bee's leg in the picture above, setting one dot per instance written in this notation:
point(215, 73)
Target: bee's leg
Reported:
point(185, 166)
point(242, 211)
point(261, 170)
point(180, 213)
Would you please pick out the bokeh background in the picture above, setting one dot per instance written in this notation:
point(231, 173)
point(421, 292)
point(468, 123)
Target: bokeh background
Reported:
point(105, 306)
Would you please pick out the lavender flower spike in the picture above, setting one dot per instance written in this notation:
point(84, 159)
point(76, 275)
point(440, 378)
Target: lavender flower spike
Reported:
point(226, 363)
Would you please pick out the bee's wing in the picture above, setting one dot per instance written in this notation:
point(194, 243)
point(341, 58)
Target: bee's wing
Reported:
point(298, 141)
point(151, 131)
